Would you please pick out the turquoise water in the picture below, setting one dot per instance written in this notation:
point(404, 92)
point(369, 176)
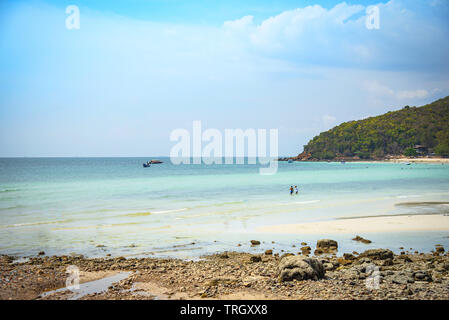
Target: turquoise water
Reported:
point(65, 205)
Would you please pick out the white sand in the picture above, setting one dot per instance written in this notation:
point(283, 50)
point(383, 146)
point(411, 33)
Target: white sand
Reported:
point(365, 225)
point(420, 160)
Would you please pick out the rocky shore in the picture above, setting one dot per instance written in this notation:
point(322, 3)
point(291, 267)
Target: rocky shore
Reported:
point(373, 274)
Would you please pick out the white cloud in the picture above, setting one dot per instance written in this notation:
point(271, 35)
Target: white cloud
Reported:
point(378, 89)
point(408, 34)
point(381, 90)
point(412, 94)
point(239, 24)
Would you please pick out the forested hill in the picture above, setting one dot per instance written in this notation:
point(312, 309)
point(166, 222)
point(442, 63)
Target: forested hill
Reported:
point(393, 133)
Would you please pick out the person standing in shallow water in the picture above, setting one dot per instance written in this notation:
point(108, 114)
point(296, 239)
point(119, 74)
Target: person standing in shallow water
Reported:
point(291, 190)
point(296, 189)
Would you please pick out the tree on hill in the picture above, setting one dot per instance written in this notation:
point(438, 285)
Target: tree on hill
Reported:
point(388, 134)
point(410, 152)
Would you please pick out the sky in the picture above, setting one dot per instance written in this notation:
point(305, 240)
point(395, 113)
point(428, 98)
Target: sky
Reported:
point(137, 70)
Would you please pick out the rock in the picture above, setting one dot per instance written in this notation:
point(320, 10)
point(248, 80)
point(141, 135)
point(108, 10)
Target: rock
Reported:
point(439, 249)
point(403, 277)
point(303, 243)
point(377, 254)
point(6, 259)
point(100, 246)
point(326, 244)
point(300, 268)
point(328, 266)
point(255, 242)
point(444, 266)
point(351, 273)
point(287, 255)
point(405, 257)
point(318, 252)
point(386, 262)
point(255, 259)
point(343, 261)
point(41, 253)
point(306, 249)
point(224, 255)
point(268, 252)
point(422, 276)
point(348, 256)
point(360, 239)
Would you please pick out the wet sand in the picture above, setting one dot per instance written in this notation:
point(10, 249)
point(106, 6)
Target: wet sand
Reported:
point(364, 225)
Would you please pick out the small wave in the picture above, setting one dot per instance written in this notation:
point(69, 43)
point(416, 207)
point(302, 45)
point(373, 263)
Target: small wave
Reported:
point(298, 202)
point(98, 226)
point(8, 190)
point(27, 224)
point(136, 214)
point(171, 211)
point(408, 196)
point(307, 202)
point(219, 204)
point(13, 207)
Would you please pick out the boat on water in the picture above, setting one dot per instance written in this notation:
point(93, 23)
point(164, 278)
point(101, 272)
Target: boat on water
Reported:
point(149, 163)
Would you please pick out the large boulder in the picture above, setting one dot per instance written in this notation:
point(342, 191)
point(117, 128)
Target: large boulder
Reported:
point(326, 243)
point(300, 268)
point(326, 246)
point(422, 275)
point(377, 254)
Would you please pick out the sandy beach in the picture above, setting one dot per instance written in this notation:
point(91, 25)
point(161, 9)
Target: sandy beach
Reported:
point(420, 160)
point(365, 225)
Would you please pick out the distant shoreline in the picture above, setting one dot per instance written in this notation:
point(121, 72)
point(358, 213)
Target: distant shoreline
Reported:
point(391, 160)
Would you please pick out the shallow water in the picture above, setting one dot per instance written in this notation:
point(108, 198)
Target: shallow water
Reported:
point(91, 287)
point(65, 205)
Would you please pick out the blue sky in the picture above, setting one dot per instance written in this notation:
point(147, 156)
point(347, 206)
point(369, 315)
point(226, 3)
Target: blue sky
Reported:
point(137, 70)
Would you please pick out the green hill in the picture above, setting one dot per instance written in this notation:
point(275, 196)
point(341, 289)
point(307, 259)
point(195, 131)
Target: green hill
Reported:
point(393, 133)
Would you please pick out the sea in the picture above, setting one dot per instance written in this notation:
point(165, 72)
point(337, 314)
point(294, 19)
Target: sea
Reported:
point(115, 206)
